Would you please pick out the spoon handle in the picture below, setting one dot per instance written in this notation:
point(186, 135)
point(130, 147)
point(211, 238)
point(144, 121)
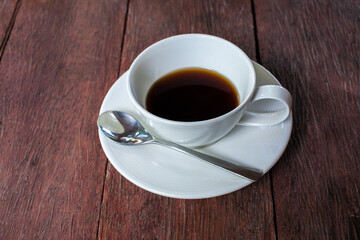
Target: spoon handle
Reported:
point(239, 169)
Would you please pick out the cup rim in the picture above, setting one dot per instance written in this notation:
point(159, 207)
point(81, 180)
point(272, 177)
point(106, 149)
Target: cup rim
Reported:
point(210, 121)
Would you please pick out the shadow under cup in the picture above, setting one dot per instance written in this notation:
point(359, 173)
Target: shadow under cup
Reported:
point(191, 51)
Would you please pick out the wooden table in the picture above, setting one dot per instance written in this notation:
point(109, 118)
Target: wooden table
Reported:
point(58, 59)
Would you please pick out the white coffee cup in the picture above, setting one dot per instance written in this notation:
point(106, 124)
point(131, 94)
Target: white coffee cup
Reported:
point(213, 53)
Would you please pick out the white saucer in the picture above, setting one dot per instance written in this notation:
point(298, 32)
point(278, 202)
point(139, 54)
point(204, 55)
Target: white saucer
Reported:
point(173, 174)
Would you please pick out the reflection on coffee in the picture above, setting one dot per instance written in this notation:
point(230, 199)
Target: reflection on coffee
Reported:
point(191, 94)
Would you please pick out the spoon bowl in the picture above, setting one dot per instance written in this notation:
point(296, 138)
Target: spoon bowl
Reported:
point(123, 128)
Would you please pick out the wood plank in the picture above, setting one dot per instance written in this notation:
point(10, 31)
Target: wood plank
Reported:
point(8, 12)
point(313, 47)
point(58, 64)
point(129, 212)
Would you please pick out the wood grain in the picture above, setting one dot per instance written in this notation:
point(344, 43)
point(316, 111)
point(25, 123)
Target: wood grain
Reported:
point(8, 12)
point(61, 58)
point(313, 47)
point(129, 212)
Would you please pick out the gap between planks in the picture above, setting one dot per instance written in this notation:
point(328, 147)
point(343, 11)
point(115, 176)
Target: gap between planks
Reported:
point(107, 161)
point(9, 28)
point(258, 59)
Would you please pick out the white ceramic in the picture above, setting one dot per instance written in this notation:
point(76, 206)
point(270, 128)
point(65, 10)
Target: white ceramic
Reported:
point(210, 52)
point(169, 173)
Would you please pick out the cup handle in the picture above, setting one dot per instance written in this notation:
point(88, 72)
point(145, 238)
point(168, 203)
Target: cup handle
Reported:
point(270, 105)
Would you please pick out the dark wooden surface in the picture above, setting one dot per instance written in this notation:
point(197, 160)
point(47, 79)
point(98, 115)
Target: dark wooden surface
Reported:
point(59, 58)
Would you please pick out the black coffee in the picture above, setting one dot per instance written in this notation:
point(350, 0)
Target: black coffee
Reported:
point(191, 94)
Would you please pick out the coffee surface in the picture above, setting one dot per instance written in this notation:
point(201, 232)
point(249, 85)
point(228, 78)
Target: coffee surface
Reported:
point(191, 94)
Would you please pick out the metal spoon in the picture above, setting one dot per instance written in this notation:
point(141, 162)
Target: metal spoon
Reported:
point(126, 130)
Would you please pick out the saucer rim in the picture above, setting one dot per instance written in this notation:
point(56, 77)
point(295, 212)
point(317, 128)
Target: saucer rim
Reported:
point(187, 195)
